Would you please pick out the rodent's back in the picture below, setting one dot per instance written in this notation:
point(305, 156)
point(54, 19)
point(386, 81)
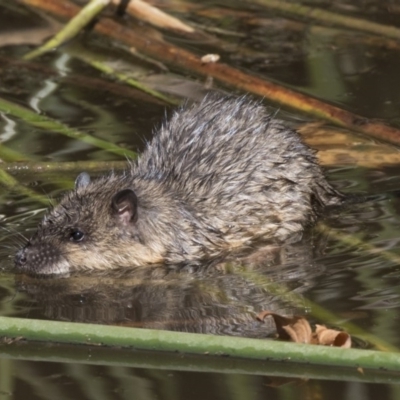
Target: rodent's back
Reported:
point(241, 168)
point(218, 175)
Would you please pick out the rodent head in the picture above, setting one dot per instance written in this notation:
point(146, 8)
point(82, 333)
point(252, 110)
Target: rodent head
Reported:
point(94, 227)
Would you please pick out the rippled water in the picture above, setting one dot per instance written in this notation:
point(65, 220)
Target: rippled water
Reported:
point(348, 264)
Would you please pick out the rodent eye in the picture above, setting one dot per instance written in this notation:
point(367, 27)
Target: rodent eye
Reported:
point(77, 236)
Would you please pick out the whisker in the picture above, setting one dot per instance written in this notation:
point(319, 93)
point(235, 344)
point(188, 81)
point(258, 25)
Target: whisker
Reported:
point(11, 247)
point(48, 196)
point(13, 231)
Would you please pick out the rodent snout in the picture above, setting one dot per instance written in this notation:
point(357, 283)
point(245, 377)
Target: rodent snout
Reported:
point(36, 258)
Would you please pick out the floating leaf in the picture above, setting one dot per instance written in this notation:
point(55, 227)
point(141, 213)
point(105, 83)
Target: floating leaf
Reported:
point(332, 337)
point(295, 329)
point(298, 329)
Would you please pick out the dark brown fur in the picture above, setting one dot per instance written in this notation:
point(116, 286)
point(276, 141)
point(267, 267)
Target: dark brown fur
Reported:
point(219, 175)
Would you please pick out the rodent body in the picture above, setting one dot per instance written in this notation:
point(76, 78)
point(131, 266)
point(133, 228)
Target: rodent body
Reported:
point(219, 175)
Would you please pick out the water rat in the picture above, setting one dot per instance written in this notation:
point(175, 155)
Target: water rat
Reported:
point(220, 174)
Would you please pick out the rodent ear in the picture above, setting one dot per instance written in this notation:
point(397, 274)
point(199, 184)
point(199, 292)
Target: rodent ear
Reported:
point(124, 203)
point(82, 180)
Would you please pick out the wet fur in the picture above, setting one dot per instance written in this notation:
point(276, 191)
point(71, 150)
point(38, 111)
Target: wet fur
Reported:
point(218, 175)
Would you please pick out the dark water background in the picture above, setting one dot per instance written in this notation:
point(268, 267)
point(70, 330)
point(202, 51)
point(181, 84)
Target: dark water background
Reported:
point(358, 286)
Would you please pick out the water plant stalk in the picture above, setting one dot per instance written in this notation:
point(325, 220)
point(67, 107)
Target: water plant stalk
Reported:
point(191, 343)
point(151, 360)
point(183, 59)
point(71, 29)
point(51, 125)
point(324, 16)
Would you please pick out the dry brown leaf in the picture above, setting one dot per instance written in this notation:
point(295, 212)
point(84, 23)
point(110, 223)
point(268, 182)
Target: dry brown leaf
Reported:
point(332, 337)
point(297, 329)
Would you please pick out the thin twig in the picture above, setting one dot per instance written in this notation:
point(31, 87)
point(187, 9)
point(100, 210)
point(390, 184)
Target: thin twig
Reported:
point(224, 73)
point(154, 16)
point(87, 13)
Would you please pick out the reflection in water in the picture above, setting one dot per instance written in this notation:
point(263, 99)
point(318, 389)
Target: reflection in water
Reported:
point(166, 378)
point(354, 284)
point(221, 298)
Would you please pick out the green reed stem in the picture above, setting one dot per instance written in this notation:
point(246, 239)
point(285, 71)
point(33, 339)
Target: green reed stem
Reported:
point(48, 124)
point(190, 343)
point(72, 28)
point(100, 64)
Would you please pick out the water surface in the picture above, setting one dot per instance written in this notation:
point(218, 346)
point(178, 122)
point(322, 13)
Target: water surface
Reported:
point(356, 285)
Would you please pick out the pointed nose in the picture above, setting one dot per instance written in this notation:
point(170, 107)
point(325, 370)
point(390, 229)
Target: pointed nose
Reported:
point(40, 259)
